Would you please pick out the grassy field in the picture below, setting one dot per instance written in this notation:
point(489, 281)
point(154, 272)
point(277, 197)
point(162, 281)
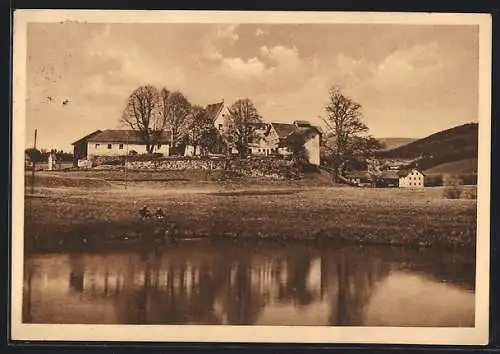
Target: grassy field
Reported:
point(456, 167)
point(60, 214)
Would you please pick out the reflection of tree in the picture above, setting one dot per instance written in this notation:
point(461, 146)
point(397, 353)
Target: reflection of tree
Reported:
point(295, 289)
point(351, 282)
point(77, 272)
point(242, 303)
point(234, 285)
point(28, 276)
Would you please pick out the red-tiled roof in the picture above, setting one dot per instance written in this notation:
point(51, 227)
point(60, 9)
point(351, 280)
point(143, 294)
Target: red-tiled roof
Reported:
point(125, 136)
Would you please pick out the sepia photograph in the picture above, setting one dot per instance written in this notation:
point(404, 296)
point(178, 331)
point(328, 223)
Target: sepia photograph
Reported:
point(198, 176)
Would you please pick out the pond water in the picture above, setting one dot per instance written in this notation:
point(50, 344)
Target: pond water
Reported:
point(258, 284)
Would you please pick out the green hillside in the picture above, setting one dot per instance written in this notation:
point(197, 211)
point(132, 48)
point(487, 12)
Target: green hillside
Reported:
point(446, 146)
point(464, 166)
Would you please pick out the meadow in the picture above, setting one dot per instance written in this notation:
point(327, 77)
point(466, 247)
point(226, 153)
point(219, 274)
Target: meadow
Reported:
point(80, 210)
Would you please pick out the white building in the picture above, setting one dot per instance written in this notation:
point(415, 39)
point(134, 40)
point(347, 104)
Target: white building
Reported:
point(117, 143)
point(273, 138)
point(412, 178)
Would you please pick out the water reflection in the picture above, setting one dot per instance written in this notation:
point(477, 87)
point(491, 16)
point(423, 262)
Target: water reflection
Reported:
point(198, 283)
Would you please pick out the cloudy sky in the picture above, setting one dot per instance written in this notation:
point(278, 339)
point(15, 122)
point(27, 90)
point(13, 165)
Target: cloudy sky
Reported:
point(411, 80)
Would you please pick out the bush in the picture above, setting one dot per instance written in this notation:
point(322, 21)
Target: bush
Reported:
point(452, 187)
point(452, 192)
point(470, 193)
point(433, 180)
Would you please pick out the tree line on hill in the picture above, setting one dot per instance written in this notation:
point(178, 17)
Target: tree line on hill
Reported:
point(449, 145)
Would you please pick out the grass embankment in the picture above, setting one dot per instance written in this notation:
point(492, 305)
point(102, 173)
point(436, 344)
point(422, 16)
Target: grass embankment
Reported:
point(88, 216)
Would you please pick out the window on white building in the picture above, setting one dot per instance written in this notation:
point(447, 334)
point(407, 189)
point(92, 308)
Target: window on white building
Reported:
point(110, 146)
point(96, 146)
point(121, 146)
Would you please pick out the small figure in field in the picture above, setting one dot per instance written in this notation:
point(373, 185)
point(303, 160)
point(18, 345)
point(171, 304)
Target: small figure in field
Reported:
point(160, 214)
point(144, 212)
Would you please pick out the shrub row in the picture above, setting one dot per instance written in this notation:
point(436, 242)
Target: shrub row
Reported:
point(439, 179)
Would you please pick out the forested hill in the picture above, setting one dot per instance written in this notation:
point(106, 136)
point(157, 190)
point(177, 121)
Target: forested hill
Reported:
point(445, 146)
point(392, 143)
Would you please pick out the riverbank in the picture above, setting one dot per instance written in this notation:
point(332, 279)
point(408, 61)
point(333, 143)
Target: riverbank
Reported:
point(59, 216)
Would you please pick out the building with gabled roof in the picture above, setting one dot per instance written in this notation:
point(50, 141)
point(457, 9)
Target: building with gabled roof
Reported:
point(272, 138)
point(80, 147)
point(411, 178)
point(114, 142)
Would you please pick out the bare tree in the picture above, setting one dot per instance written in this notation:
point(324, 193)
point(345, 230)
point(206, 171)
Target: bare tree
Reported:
point(198, 123)
point(343, 119)
point(347, 137)
point(176, 111)
point(142, 114)
point(240, 125)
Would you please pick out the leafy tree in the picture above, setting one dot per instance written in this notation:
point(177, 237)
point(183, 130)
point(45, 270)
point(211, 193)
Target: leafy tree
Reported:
point(374, 171)
point(142, 114)
point(35, 155)
point(295, 144)
point(239, 127)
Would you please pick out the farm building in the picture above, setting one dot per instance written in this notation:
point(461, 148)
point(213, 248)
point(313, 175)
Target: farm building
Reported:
point(116, 143)
point(270, 139)
point(80, 147)
point(275, 138)
point(411, 178)
point(358, 178)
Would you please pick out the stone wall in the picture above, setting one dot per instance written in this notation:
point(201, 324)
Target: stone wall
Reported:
point(263, 167)
point(177, 163)
point(268, 167)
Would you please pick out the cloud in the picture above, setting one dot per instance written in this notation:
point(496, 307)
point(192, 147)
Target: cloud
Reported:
point(228, 32)
point(282, 56)
point(244, 68)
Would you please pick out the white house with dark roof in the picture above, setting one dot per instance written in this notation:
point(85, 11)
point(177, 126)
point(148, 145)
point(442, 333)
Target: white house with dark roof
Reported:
point(411, 178)
point(404, 178)
point(272, 138)
point(117, 143)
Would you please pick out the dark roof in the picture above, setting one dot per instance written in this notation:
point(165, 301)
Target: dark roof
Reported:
point(213, 110)
point(390, 174)
point(357, 174)
point(125, 136)
point(86, 137)
point(302, 123)
point(283, 129)
point(259, 125)
point(405, 172)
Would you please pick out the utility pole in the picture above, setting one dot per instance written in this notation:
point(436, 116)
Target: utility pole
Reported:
point(33, 164)
point(126, 160)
